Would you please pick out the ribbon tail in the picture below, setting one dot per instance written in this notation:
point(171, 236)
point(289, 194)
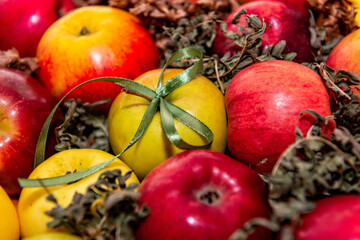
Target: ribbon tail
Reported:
point(167, 120)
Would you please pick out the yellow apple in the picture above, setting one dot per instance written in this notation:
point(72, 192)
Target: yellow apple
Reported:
point(199, 97)
point(53, 236)
point(9, 223)
point(33, 204)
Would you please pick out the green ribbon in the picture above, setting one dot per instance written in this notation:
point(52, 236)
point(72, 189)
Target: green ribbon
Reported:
point(168, 112)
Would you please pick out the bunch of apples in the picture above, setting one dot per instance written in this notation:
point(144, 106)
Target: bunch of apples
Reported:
point(192, 194)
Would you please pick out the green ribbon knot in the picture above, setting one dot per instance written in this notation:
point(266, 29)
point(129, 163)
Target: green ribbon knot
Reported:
point(168, 112)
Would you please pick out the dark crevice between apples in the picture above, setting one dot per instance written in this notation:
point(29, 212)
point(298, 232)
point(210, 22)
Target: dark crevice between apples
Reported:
point(107, 210)
point(83, 127)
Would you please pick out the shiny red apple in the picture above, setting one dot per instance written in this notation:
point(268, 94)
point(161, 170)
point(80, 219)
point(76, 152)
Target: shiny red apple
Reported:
point(201, 194)
point(335, 218)
point(23, 22)
point(264, 102)
point(24, 107)
point(287, 24)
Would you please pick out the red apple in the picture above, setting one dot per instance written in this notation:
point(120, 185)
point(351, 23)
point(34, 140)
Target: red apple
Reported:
point(287, 24)
point(24, 107)
point(300, 5)
point(264, 102)
point(201, 194)
point(335, 218)
point(23, 22)
point(91, 42)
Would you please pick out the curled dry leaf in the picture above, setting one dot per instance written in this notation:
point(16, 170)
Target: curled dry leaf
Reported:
point(337, 17)
point(200, 31)
point(107, 211)
point(11, 59)
point(83, 127)
point(158, 13)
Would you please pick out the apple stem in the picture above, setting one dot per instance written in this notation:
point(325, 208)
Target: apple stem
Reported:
point(84, 31)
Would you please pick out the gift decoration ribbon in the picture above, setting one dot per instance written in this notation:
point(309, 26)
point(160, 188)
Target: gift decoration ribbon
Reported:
point(168, 112)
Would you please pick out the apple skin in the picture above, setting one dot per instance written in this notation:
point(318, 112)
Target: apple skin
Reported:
point(33, 203)
point(9, 222)
point(199, 97)
point(116, 45)
point(53, 236)
point(174, 188)
point(334, 218)
point(264, 106)
point(300, 5)
point(287, 24)
point(23, 22)
point(345, 54)
point(24, 107)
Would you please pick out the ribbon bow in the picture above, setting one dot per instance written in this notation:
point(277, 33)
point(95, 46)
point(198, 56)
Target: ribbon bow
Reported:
point(168, 112)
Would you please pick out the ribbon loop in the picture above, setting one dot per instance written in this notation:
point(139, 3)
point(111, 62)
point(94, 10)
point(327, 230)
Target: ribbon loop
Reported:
point(183, 77)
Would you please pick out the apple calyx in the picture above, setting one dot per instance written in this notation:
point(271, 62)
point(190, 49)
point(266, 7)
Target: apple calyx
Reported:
point(208, 195)
point(84, 31)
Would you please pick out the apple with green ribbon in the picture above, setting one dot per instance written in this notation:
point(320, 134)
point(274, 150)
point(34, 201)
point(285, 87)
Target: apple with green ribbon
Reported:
point(156, 101)
point(199, 97)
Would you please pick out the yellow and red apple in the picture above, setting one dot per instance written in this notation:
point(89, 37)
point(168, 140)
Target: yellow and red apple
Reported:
point(91, 42)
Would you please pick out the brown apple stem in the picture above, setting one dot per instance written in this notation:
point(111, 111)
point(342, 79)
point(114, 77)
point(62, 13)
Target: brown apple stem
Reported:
point(218, 77)
point(84, 31)
point(235, 65)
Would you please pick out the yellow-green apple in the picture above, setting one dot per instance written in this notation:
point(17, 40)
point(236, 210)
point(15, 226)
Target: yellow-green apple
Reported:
point(23, 22)
point(264, 102)
point(341, 213)
point(345, 54)
point(33, 204)
point(201, 194)
point(53, 236)
point(199, 97)
point(90, 42)
point(9, 222)
point(287, 24)
point(24, 107)
point(300, 5)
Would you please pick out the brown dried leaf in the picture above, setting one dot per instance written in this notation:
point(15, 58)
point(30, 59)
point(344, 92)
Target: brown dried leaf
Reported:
point(336, 16)
point(11, 59)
